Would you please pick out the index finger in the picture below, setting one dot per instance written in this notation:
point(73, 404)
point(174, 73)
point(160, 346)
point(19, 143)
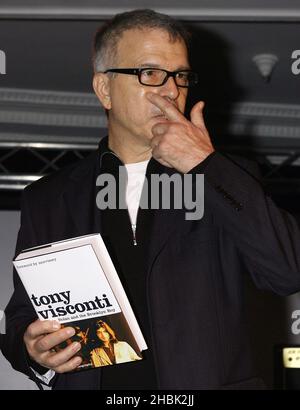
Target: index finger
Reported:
point(40, 327)
point(51, 340)
point(170, 111)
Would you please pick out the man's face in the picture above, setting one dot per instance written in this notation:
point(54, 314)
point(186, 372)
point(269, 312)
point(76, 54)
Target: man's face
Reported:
point(103, 334)
point(131, 114)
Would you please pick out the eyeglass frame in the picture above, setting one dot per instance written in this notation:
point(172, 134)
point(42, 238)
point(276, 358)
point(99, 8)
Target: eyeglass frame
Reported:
point(138, 71)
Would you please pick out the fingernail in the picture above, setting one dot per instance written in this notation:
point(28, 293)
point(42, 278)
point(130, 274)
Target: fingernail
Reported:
point(56, 325)
point(78, 360)
point(76, 346)
point(70, 332)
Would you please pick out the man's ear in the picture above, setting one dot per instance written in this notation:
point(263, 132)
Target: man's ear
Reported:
point(101, 87)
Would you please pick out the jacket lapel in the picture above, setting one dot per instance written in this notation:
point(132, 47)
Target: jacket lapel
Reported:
point(165, 223)
point(80, 197)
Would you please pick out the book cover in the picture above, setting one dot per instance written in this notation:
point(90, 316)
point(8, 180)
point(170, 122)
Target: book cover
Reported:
point(75, 283)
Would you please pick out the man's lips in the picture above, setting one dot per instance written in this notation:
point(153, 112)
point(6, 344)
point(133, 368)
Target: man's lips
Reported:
point(161, 116)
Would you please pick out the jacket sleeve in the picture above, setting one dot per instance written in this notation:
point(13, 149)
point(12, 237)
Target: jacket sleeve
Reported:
point(19, 311)
point(267, 237)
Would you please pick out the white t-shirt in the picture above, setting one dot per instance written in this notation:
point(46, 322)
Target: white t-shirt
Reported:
point(136, 176)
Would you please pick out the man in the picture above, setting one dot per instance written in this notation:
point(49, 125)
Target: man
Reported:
point(183, 277)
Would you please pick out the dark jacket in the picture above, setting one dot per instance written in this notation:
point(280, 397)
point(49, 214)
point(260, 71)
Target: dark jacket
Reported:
point(194, 275)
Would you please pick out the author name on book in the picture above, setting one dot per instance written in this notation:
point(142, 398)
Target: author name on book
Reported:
point(63, 307)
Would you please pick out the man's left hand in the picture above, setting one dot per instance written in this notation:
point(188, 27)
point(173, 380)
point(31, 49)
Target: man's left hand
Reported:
point(179, 143)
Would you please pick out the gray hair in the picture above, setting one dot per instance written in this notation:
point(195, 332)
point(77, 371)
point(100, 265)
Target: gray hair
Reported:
point(107, 37)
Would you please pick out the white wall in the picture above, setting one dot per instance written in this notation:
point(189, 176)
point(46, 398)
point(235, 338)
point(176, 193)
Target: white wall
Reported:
point(9, 225)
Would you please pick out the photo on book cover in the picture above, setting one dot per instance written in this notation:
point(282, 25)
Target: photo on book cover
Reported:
point(104, 341)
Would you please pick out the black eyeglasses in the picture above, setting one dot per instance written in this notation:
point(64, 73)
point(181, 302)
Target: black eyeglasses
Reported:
point(155, 77)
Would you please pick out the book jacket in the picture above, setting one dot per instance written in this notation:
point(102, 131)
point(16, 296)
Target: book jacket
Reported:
point(71, 286)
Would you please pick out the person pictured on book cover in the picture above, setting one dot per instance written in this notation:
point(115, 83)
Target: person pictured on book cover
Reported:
point(110, 350)
point(183, 273)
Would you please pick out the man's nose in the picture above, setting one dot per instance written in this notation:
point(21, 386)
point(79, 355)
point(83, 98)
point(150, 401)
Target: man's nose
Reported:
point(169, 89)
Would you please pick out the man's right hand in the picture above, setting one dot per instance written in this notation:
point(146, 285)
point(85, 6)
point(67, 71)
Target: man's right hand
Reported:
point(40, 339)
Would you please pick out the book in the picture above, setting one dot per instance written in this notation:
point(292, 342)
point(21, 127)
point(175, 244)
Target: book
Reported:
point(75, 282)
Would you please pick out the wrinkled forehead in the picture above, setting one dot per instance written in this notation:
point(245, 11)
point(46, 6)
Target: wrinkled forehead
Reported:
point(141, 44)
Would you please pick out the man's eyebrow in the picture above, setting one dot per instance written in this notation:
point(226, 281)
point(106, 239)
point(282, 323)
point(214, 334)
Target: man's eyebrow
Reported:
point(155, 65)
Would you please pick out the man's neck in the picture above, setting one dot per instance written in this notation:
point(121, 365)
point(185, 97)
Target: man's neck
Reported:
point(129, 151)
